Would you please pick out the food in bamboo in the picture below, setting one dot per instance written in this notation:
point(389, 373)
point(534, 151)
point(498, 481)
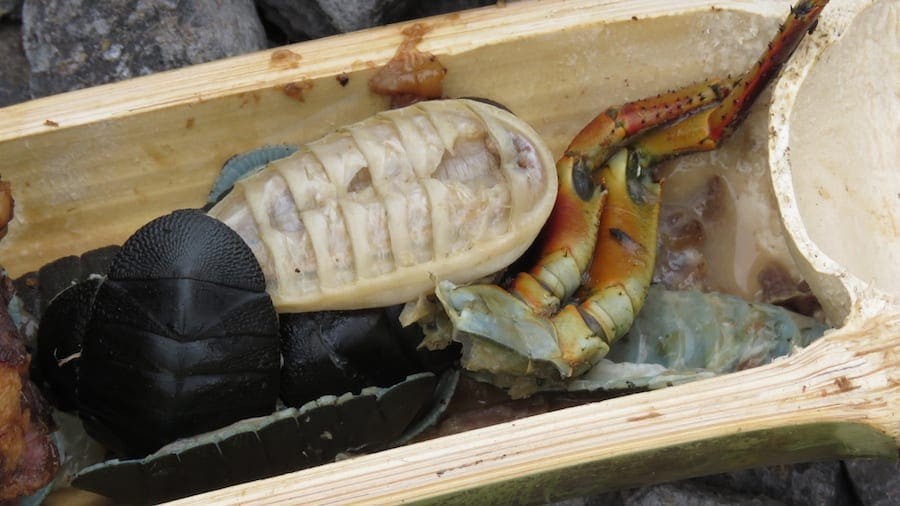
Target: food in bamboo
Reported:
point(596, 255)
point(447, 192)
point(374, 213)
point(28, 456)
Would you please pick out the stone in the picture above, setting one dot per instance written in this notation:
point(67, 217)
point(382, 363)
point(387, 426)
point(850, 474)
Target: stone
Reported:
point(14, 71)
point(76, 43)
point(876, 482)
point(309, 19)
point(578, 501)
point(686, 493)
point(9, 7)
point(435, 7)
point(821, 483)
point(298, 20)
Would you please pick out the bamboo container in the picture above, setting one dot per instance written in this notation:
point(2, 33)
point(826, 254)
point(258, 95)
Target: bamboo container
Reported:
point(89, 167)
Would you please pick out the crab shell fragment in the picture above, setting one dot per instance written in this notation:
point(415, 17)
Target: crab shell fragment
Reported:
point(379, 211)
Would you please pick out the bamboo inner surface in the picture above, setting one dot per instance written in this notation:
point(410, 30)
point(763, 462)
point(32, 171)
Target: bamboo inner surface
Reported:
point(90, 167)
point(849, 378)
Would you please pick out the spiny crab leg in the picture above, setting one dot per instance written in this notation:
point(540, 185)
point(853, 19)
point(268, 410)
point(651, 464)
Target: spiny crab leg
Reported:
point(624, 241)
point(600, 242)
point(566, 245)
point(580, 197)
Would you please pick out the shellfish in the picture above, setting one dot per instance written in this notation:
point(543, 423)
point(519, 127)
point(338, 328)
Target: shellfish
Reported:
point(374, 213)
point(179, 337)
point(595, 257)
point(288, 440)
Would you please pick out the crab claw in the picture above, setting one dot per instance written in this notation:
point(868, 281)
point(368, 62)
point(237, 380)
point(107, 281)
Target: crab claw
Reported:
point(597, 251)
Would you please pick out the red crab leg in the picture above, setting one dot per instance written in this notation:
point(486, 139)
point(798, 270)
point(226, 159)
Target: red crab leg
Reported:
point(580, 198)
point(626, 244)
point(609, 253)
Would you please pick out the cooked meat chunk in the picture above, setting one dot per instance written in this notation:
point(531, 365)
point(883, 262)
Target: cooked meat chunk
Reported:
point(28, 457)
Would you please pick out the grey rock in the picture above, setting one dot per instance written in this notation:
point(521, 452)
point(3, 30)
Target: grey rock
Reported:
point(823, 483)
point(876, 482)
point(615, 498)
point(435, 7)
point(686, 493)
point(14, 71)
point(578, 501)
point(310, 19)
point(9, 6)
point(350, 15)
point(297, 20)
point(74, 44)
point(820, 484)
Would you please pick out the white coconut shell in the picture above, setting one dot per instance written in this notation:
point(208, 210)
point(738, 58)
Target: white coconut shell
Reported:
point(834, 152)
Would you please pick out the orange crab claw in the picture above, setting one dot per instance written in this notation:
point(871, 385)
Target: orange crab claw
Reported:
point(597, 251)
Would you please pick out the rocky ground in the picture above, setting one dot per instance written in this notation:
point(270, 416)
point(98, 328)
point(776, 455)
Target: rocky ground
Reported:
point(52, 46)
point(49, 47)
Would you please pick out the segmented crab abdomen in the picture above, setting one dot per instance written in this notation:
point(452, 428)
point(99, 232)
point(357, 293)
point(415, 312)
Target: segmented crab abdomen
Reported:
point(375, 213)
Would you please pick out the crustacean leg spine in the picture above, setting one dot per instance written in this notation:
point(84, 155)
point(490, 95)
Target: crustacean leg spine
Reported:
point(610, 227)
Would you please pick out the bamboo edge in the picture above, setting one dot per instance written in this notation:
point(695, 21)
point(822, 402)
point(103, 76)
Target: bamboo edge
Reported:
point(129, 149)
point(326, 57)
point(851, 376)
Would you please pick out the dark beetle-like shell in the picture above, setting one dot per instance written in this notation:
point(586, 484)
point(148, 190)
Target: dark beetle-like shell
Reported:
point(38, 288)
point(183, 338)
point(288, 440)
point(60, 295)
point(332, 352)
point(59, 340)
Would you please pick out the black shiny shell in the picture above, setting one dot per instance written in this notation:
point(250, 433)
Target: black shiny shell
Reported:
point(331, 352)
point(183, 337)
point(288, 440)
point(38, 288)
point(60, 296)
point(59, 341)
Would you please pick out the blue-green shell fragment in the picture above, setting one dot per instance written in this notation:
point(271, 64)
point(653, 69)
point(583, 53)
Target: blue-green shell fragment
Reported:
point(244, 164)
point(681, 336)
point(288, 440)
point(443, 393)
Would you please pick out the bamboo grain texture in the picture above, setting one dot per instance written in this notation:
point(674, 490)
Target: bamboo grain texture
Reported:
point(89, 167)
point(852, 376)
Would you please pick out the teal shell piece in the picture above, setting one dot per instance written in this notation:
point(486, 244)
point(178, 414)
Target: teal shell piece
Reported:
point(245, 164)
point(681, 336)
point(288, 440)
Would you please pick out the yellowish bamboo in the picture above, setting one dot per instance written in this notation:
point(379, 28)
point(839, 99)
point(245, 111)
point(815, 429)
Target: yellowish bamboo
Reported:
point(89, 167)
point(838, 398)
